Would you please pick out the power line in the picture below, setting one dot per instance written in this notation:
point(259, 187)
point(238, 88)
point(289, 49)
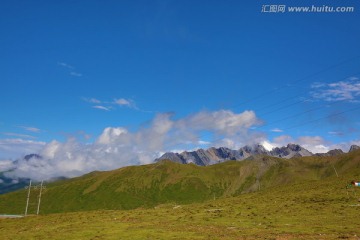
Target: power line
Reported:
point(298, 81)
point(299, 114)
point(328, 116)
point(286, 106)
point(300, 101)
point(307, 122)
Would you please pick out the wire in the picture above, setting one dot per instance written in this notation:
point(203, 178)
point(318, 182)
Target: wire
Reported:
point(300, 94)
point(301, 101)
point(298, 81)
point(328, 116)
point(299, 114)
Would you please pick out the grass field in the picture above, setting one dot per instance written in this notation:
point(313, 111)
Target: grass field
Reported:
point(315, 209)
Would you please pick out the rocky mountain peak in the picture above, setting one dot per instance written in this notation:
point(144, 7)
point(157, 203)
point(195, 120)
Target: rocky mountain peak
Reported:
point(294, 147)
point(215, 155)
point(353, 148)
point(33, 155)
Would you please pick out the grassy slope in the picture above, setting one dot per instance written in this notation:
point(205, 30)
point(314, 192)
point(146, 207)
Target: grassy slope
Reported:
point(313, 209)
point(168, 182)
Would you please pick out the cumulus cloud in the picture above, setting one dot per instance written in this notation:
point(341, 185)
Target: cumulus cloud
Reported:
point(223, 122)
point(230, 129)
point(347, 90)
point(109, 134)
point(117, 146)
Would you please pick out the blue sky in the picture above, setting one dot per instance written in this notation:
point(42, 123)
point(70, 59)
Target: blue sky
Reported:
point(71, 69)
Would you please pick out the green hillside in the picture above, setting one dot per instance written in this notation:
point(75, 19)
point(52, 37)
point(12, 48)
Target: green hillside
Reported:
point(310, 209)
point(167, 182)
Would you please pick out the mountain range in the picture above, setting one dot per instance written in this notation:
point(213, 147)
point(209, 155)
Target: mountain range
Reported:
point(214, 155)
point(166, 182)
point(200, 157)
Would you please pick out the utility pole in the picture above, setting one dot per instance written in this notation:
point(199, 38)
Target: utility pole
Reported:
point(38, 207)
point(28, 197)
point(335, 170)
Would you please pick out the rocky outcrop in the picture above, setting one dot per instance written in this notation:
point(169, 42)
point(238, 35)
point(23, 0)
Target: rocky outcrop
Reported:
point(353, 148)
point(216, 155)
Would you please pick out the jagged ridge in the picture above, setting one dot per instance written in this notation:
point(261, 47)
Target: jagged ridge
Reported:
point(214, 155)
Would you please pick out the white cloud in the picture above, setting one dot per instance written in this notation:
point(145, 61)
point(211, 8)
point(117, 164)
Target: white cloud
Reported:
point(200, 142)
point(318, 85)
point(123, 102)
point(13, 148)
point(276, 130)
point(30, 129)
point(112, 105)
point(126, 103)
point(92, 100)
point(345, 146)
point(230, 129)
point(117, 146)
point(311, 140)
point(221, 122)
point(314, 144)
point(109, 134)
point(282, 140)
point(347, 90)
point(70, 68)
point(65, 65)
point(18, 135)
point(102, 107)
point(75, 74)
point(6, 165)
